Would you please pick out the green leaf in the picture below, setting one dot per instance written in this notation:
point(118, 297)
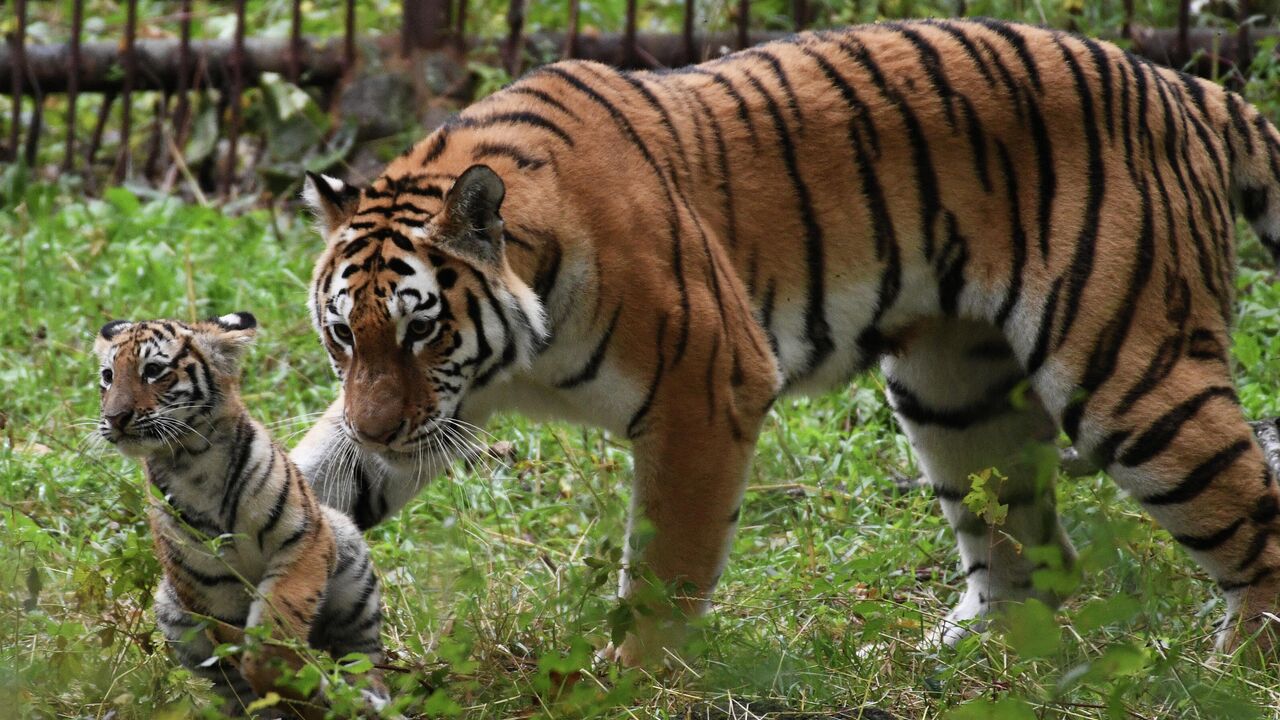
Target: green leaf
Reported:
point(1031, 629)
point(1106, 611)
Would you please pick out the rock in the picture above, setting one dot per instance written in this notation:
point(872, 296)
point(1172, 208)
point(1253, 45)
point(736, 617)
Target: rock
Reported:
point(378, 105)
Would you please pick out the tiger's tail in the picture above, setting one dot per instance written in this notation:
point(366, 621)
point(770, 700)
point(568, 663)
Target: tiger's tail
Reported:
point(1254, 147)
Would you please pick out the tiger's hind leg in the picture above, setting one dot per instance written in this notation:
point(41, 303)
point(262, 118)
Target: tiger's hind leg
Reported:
point(955, 390)
point(958, 392)
point(1176, 439)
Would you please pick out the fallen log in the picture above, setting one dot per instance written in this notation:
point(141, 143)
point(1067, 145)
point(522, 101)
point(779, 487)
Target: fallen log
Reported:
point(1208, 53)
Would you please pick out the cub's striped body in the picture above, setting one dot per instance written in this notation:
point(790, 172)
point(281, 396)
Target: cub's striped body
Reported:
point(976, 206)
point(170, 398)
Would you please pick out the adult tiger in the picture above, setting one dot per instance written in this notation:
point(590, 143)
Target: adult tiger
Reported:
point(978, 206)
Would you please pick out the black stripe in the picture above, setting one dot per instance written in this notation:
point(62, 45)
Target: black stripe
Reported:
point(1019, 44)
point(779, 74)
point(519, 118)
point(996, 401)
point(1040, 351)
point(969, 47)
point(1201, 477)
point(399, 266)
point(484, 150)
point(1156, 438)
point(543, 96)
point(1254, 549)
point(588, 371)
point(1111, 339)
point(1178, 306)
point(646, 405)
point(1077, 276)
point(1204, 543)
point(1018, 238)
point(949, 267)
point(926, 178)
point(817, 331)
point(744, 114)
point(677, 253)
point(1102, 63)
point(242, 447)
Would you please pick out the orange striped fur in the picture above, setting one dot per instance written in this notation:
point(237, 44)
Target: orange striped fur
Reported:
point(979, 207)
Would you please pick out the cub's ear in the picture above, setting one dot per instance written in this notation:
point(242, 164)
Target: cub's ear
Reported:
point(470, 223)
point(225, 339)
point(332, 201)
point(107, 334)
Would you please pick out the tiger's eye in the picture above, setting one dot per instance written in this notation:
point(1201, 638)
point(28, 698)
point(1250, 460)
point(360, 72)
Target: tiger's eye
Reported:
point(342, 332)
point(420, 328)
point(106, 375)
point(151, 371)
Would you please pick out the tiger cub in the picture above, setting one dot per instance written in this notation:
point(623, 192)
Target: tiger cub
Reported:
point(170, 397)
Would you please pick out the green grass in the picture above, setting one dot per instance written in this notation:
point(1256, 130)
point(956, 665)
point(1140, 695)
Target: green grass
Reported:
point(500, 583)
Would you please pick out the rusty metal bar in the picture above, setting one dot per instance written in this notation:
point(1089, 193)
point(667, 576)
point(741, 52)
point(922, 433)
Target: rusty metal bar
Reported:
point(513, 48)
point(349, 39)
point(744, 23)
point(629, 36)
point(33, 131)
point(295, 42)
point(800, 13)
point(155, 144)
point(18, 42)
point(690, 51)
point(126, 93)
point(1245, 55)
point(1184, 21)
point(73, 83)
point(182, 112)
point(233, 100)
point(571, 40)
point(460, 27)
point(95, 140)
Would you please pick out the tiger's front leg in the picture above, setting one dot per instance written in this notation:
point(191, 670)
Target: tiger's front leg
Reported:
point(693, 452)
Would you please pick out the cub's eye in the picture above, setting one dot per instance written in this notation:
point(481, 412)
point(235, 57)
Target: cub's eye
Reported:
point(106, 375)
point(152, 370)
point(342, 332)
point(420, 328)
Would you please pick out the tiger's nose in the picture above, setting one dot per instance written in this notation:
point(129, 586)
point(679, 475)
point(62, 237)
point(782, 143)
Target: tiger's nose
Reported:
point(120, 420)
point(378, 436)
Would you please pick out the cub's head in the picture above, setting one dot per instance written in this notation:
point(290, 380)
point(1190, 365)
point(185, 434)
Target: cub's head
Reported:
point(159, 378)
point(415, 302)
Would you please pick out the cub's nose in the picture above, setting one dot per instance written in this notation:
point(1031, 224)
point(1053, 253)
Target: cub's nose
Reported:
point(376, 435)
point(119, 420)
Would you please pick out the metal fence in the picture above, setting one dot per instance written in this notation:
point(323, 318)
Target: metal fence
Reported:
point(179, 69)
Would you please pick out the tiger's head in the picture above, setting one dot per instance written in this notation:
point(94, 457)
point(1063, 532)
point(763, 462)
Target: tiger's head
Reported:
point(415, 302)
point(161, 379)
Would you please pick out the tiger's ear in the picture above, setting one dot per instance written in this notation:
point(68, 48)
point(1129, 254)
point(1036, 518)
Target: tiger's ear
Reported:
point(225, 339)
point(470, 223)
point(332, 201)
point(107, 334)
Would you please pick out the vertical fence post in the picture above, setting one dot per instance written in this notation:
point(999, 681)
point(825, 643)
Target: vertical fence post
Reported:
point(233, 99)
point(104, 111)
point(690, 52)
point(571, 39)
point(515, 27)
point(33, 129)
point(349, 40)
point(460, 27)
point(744, 20)
point(800, 13)
point(73, 83)
point(19, 71)
point(182, 112)
point(1184, 19)
point(629, 58)
point(126, 91)
point(423, 25)
point(295, 42)
point(1126, 30)
point(1244, 46)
